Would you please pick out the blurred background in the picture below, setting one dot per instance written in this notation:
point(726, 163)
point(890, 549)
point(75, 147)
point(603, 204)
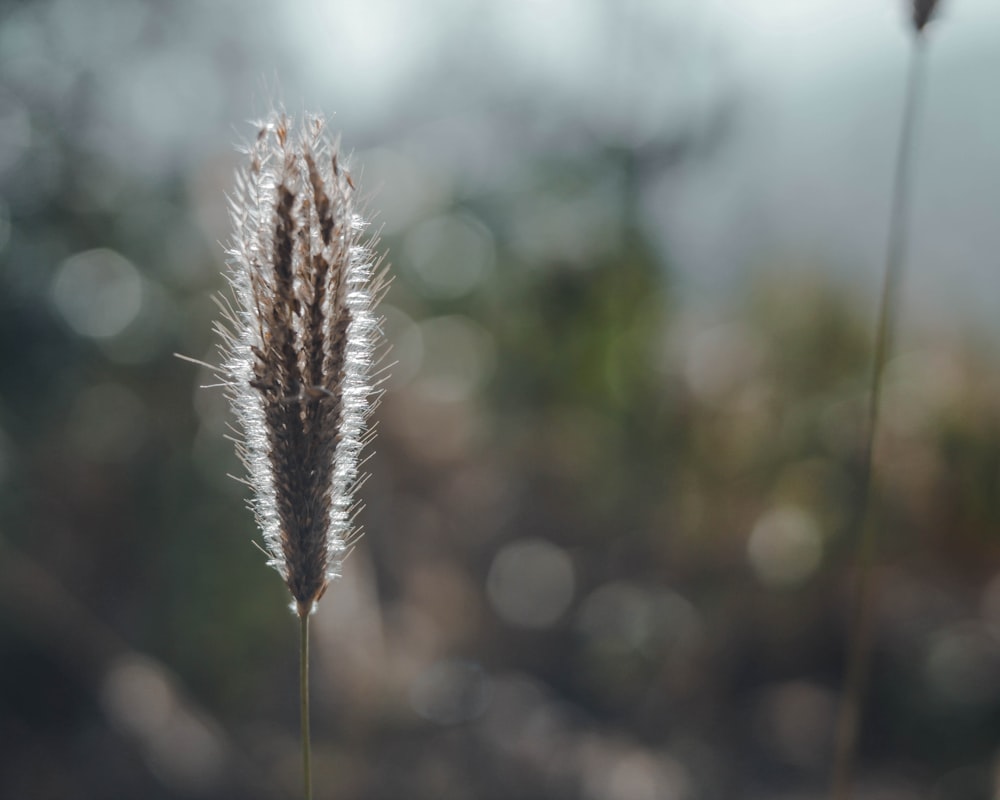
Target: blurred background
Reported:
point(608, 543)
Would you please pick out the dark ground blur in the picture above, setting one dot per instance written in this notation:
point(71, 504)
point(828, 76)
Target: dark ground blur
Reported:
point(609, 533)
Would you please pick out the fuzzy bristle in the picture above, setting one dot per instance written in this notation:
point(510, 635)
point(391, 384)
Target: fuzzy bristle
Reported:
point(298, 346)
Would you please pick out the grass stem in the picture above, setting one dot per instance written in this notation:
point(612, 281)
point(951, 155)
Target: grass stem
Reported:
point(304, 704)
point(859, 649)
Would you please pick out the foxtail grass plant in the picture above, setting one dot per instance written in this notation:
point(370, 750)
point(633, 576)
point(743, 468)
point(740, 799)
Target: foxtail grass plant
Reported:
point(865, 592)
point(299, 340)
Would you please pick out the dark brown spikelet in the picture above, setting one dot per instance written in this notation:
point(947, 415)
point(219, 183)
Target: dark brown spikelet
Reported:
point(923, 10)
point(298, 346)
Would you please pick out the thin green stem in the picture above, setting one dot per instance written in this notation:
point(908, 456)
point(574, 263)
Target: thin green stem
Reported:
point(304, 704)
point(849, 719)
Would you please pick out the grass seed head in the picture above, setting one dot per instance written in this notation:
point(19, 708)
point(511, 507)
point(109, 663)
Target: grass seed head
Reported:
point(299, 337)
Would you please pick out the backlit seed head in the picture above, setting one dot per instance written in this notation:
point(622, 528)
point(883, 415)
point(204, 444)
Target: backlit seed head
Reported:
point(299, 339)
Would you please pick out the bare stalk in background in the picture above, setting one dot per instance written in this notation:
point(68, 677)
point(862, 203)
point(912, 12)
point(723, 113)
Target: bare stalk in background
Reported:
point(298, 343)
point(859, 648)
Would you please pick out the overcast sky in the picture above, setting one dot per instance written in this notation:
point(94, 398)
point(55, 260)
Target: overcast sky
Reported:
point(807, 175)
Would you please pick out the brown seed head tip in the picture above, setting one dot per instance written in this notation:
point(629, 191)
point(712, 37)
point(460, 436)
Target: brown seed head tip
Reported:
point(923, 10)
